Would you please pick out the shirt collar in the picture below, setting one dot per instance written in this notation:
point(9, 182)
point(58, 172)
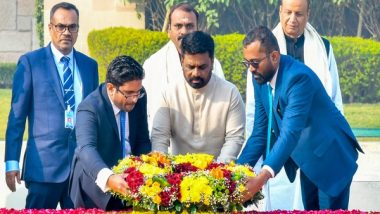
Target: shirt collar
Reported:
point(115, 109)
point(58, 55)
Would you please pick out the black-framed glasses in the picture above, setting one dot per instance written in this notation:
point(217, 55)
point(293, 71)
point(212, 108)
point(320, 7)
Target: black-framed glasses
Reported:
point(138, 95)
point(73, 28)
point(253, 63)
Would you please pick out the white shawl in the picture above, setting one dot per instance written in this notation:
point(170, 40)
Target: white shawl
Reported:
point(315, 55)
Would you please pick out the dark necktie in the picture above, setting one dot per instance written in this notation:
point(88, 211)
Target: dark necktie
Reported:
point(122, 132)
point(68, 83)
point(270, 115)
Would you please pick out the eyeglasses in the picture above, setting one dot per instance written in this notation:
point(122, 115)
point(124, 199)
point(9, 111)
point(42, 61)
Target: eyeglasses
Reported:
point(73, 28)
point(138, 95)
point(254, 63)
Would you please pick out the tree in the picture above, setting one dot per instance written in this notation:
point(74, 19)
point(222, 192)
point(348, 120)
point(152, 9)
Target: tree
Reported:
point(157, 11)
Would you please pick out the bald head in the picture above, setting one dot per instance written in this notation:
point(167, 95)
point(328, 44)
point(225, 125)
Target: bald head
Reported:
point(294, 14)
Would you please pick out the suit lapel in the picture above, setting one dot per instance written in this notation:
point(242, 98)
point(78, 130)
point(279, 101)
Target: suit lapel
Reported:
point(86, 79)
point(109, 110)
point(132, 129)
point(277, 111)
point(52, 73)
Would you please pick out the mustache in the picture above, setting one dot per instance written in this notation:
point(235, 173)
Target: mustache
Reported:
point(196, 78)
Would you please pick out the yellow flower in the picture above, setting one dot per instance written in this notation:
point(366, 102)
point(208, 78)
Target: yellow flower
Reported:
point(150, 170)
point(195, 189)
point(201, 161)
point(157, 199)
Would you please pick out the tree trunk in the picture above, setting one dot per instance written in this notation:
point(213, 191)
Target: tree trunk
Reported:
point(360, 21)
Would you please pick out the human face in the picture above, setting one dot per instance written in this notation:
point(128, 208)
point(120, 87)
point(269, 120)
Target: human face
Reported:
point(126, 96)
point(63, 41)
point(262, 66)
point(182, 23)
point(197, 69)
point(294, 15)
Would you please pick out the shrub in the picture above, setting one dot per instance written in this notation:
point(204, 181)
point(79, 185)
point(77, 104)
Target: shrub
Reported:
point(358, 59)
point(105, 45)
point(7, 71)
point(229, 51)
point(358, 62)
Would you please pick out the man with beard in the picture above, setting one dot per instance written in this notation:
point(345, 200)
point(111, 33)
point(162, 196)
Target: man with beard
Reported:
point(164, 67)
point(201, 113)
point(49, 83)
point(297, 38)
point(309, 132)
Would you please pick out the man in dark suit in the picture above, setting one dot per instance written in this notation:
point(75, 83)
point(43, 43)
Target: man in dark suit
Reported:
point(112, 123)
point(49, 83)
point(306, 129)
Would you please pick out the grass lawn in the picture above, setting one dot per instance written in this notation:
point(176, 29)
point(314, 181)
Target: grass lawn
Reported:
point(358, 115)
point(363, 115)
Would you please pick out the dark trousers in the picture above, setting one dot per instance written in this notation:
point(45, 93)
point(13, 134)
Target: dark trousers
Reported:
point(314, 199)
point(48, 195)
point(115, 204)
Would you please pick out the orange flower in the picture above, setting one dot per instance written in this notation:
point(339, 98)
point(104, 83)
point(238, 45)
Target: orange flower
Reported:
point(217, 173)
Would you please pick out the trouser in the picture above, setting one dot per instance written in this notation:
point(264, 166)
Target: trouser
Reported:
point(314, 199)
point(48, 195)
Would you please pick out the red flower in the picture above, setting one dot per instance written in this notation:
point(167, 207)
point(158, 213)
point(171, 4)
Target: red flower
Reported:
point(134, 179)
point(174, 179)
point(185, 167)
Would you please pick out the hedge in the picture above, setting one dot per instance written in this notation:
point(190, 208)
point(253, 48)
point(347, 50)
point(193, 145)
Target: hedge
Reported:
point(105, 45)
point(358, 62)
point(7, 71)
point(358, 59)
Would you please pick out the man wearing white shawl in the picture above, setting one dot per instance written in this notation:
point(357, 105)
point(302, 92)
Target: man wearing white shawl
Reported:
point(297, 38)
point(164, 66)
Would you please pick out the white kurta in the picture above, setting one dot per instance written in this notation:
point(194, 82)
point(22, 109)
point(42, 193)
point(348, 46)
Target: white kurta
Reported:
point(207, 120)
point(162, 68)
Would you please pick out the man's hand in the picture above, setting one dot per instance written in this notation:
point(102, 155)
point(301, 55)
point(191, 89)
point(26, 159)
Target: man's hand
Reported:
point(10, 178)
point(255, 184)
point(117, 183)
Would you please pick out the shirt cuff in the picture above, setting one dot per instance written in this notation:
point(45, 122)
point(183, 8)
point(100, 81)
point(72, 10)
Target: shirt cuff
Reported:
point(270, 170)
point(102, 178)
point(11, 166)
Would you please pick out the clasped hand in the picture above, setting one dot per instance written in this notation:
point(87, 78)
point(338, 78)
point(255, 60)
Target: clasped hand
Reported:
point(254, 185)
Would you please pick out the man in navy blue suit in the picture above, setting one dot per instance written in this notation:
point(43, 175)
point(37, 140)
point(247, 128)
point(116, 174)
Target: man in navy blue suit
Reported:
point(48, 85)
point(303, 129)
point(112, 124)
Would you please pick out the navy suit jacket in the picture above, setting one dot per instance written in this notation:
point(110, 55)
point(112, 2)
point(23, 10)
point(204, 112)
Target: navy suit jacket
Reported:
point(37, 96)
point(99, 145)
point(308, 128)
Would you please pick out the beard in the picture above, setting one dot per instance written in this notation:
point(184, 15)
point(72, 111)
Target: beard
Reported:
point(197, 82)
point(266, 76)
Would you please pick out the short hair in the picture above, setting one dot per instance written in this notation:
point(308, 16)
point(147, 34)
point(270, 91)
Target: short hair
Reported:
point(197, 42)
point(124, 69)
point(64, 5)
point(184, 6)
point(307, 1)
point(266, 38)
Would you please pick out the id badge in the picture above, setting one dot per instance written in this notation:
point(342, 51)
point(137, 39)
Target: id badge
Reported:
point(69, 118)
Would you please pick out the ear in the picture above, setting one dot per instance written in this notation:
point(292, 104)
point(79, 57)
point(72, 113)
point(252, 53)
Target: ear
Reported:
point(275, 57)
point(110, 88)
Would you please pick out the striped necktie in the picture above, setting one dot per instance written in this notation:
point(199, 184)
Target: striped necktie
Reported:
point(68, 83)
point(270, 115)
